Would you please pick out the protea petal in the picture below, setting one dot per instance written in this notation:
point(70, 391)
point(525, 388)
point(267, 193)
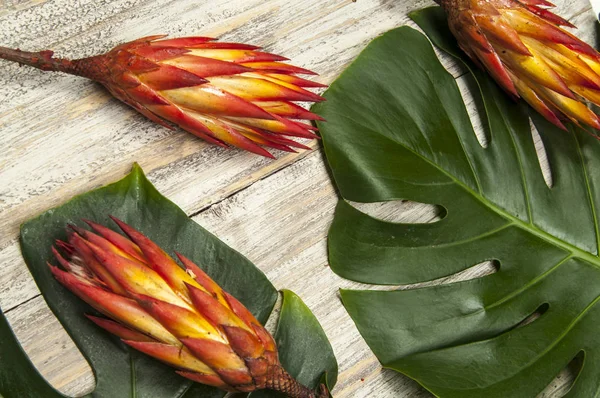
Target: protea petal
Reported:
point(305, 93)
point(215, 312)
point(227, 133)
point(573, 109)
point(244, 343)
point(160, 53)
point(118, 240)
point(178, 357)
point(298, 81)
point(183, 119)
point(235, 55)
point(179, 321)
point(210, 380)
point(283, 141)
point(261, 140)
point(568, 65)
point(287, 109)
point(119, 308)
point(497, 30)
point(588, 93)
point(280, 125)
point(65, 264)
point(522, 45)
point(160, 261)
point(87, 255)
point(246, 316)
point(169, 77)
point(278, 67)
point(230, 46)
point(254, 89)
point(221, 358)
point(102, 243)
point(206, 67)
point(211, 100)
point(527, 93)
point(496, 68)
point(537, 70)
point(203, 280)
point(137, 278)
point(120, 331)
point(188, 42)
point(549, 16)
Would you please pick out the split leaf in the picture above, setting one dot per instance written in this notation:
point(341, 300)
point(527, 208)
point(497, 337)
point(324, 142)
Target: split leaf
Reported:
point(397, 128)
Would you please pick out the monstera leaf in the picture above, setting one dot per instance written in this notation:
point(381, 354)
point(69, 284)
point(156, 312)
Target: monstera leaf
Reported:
point(397, 128)
point(120, 371)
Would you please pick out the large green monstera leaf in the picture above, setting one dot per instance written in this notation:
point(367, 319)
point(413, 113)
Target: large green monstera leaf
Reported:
point(397, 128)
point(119, 370)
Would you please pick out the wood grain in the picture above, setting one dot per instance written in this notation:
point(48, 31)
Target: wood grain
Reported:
point(60, 136)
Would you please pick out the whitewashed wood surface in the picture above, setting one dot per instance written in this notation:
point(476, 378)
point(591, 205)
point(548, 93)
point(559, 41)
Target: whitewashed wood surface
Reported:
point(61, 136)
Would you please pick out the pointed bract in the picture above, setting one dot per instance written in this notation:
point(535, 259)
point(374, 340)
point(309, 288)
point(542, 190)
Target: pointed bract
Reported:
point(119, 330)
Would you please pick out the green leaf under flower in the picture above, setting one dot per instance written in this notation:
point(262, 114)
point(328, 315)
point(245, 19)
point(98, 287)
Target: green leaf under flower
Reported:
point(119, 370)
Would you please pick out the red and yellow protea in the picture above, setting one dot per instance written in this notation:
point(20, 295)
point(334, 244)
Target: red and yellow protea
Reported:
point(177, 315)
point(226, 93)
point(522, 45)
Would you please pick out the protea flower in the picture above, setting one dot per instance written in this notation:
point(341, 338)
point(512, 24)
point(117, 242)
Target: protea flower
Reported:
point(524, 48)
point(177, 315)
point(225, 93)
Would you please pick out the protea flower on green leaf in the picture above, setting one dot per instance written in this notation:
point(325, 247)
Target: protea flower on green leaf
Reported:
point(177, 315)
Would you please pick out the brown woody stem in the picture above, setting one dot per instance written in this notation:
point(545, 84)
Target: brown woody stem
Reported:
point(91, 68)
point(279, 380)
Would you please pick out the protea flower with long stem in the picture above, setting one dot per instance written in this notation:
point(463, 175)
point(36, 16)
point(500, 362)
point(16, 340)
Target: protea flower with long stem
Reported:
point(226, 93)
point(177, 315)
point(522, 45)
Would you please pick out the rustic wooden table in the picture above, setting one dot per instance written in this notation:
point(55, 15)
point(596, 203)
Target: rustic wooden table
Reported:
point(62, 135)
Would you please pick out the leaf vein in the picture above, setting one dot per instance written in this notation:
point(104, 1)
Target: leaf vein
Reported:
point(589, 192)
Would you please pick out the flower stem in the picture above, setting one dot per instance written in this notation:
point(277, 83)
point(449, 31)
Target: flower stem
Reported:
point(44, 60)
point(281, 381)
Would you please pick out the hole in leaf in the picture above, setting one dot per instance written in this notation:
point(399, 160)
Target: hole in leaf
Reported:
point(472, 98)
point(402, 211)
point(564, 380)
point(541, 310)
point(542, 155)
point(476, 271)
point(56, 355)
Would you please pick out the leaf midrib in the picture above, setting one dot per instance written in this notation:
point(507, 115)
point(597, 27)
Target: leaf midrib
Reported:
point(529, 227)
point(589, 191)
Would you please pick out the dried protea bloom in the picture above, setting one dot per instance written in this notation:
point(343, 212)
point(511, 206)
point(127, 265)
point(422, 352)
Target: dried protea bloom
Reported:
point(225, 93)
point(177, 315)
point(523, 47)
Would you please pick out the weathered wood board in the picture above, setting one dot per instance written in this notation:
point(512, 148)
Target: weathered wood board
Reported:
point(60, 136)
